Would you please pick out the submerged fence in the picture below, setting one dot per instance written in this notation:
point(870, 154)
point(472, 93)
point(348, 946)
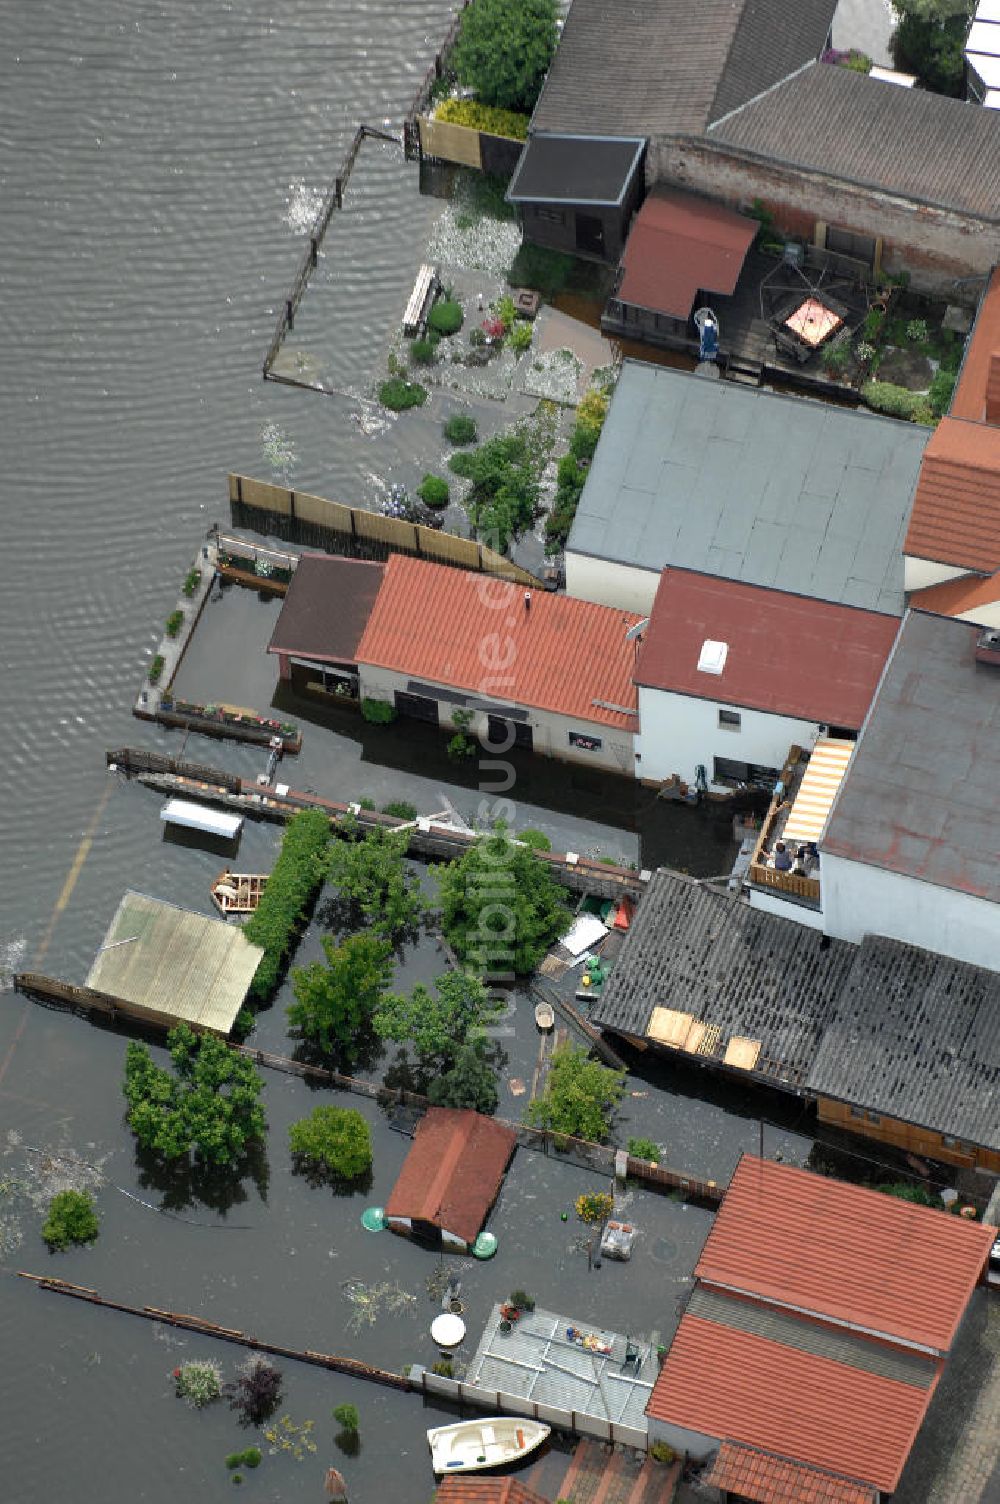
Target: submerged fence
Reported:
point(579, 1423)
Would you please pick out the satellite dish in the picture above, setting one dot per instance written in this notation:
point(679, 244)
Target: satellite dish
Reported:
point(637, 630)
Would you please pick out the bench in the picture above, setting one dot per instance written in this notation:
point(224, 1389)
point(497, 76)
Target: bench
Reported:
point(421, 298)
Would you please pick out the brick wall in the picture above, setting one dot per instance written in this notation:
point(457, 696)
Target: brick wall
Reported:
point(938, 247)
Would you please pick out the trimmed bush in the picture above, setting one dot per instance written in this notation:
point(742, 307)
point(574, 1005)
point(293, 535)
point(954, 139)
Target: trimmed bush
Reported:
point(461, 429)
point(251, 1457)
point(71, 1219)
point(895, 401)
point(156, 668)
point(445, 317)
point(174, 623)
point(290, 889)
point(483, 117)
point(433, 491)
point(378, 712)
point(398, 395)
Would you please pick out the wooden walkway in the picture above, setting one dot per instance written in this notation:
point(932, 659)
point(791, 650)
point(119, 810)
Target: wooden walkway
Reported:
point(600, 1474)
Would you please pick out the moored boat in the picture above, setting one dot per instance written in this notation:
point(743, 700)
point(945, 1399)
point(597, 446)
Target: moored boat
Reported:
point(544, 1016)
point(472, 1445)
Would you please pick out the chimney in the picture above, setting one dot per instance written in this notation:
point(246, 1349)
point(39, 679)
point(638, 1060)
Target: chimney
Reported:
point(527, 600)
point(988, 646)
point(992, 414)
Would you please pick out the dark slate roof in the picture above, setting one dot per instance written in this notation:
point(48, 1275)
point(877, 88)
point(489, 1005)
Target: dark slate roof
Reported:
point(701, 952)
point(575, 169)
point(920, 794)
point(916, 1036)
point(327, 607)
point(661, 67)
point(903, 141)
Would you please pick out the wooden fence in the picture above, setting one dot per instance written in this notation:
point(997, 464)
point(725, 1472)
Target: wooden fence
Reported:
point(446, 141)
point(281, 512)
point(422, 98)
point(577, 1422)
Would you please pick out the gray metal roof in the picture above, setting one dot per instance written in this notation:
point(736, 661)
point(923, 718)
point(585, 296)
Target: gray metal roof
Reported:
point(749, 485)
point(751, 973)
point(916, 1036)
point(920, 795)
point(576, 169)
point(660, 67)
point(904, 141)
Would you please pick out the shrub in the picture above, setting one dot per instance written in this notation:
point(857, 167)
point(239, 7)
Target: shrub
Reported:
point(593, 409)
point(483, 117)
point(199, 1382)
point(662, 1451)
point(255, 1393)
point(941, 391)
point(251, 1457)
point(460, 746)
point(433, 491)
point(346, 1417)
point(594, 1206)
point(445, 317)
point(234, 1460)
point(522, 1300)
point(505, 311)
point(470, 1082)
point(174, 623)
point(916, 331)
point(398, 395)
point(503, 51)
point(461, 464)
point(905, 1190)
point(423, 352)
point(191, 582)
point(583, 442)
point(461, 429)
point(366, 803)
point(156, 668)
point(337, 1138)
point(644, 1148)
point(71, 1219)
point(578, 1095)
point(896, 401)
point(536, 839)
point(402, 809)
point(544, 270)
point(444, 1368)
point(873, 322)
point(378, 712)
point(290, 889)
point(209, 1103)
point(923, 413)
point(835, 357)
point(477, 336)
point(520, 337)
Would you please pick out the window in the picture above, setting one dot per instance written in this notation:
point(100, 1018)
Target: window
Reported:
point(858, 1112)
point(729, 720)
point(551, 216)
point(847, 243)
point(730, 771)
point(873, 1117)
point(585, 743)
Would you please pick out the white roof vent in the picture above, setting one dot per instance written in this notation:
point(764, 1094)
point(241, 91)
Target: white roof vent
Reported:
point(712, 659)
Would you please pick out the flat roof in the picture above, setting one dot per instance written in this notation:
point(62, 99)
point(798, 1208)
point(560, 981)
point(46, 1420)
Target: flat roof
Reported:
point(786, 654)
point(821, 504)
point(679, 245)
point(916, 1036)
point(327, 607)
point(582, 170)
point(825, 1248)
point(176, 965)
point(453, 1172)
point(920, 796)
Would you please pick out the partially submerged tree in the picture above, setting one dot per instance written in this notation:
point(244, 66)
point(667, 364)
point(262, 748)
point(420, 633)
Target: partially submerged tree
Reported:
point(334, 1001)
point(335, 1138)
point(372, 873)
point(471, 1082)
point(210, 1104)
point(439, 1023)
point(255, 1393)
point(72, 1218)
point(504, 49)
point(579, 1095)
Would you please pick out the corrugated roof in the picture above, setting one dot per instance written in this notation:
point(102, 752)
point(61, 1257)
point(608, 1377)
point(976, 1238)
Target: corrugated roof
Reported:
point(821, 506)
point(820, 783)
point(727, 1383)
point(916, 1036)
point(975, 376)
point(766, 1478)
point(659, 67)
point(179, 965)
point(956, 509)
point(455, 1490)
point(679, 244)
point(787, 654)
point(837, 122)
point(844, 1253)
point(920, 796)
point(453, 1172)
point(564, 655)
point(968, 597)
point(327, 607)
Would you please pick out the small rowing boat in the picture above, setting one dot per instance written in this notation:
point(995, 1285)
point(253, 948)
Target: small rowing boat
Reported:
point(544, 1016)
point(472, 1445)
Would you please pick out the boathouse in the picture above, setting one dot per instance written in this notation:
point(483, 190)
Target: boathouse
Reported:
point(451, 1178)
point(322, 620)
point(816, 1335)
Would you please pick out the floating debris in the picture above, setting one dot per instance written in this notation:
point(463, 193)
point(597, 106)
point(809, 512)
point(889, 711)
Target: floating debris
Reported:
point(372, 1301)
point(288, 1437)
point(302, 206)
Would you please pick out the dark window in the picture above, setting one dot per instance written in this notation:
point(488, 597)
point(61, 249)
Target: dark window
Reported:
point(551, 216)
point(418, 707)
point(584, 742)
point(730, 770)
point(847, 243)
point(590, 234)
point(729, 720)
point(504, 734)
point(873, 1117)
point(858, 1112)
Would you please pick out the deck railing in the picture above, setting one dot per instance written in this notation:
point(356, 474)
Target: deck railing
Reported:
point(760, 874)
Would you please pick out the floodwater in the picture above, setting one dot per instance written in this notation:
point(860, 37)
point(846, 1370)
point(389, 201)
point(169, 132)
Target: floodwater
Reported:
point(160, 165)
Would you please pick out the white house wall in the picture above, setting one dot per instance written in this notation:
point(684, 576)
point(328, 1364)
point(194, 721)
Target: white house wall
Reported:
point(610, 584)
point(693, 1444)
point(920, 574)
point(859, 900)
point(678, 732)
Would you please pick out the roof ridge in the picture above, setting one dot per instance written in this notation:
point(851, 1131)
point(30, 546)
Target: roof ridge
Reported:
point(755, 99)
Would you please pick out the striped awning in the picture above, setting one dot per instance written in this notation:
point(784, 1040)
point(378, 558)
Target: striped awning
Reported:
point(817, 791)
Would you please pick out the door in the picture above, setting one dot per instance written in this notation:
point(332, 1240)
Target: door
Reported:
point(504, 733)
point(590, 234)
point(417, 707)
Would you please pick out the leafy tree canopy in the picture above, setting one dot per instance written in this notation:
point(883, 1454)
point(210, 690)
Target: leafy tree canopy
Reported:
point(209, 1104)
point(471, 1082)
point(337, 1138)
point(371, 872)
point(334, 1001)
point(579, 1094)
point(297, 875)
point(71, 1219)
point(930, 41)
point(504, 49)
point(501, 908)
point(439, 1023)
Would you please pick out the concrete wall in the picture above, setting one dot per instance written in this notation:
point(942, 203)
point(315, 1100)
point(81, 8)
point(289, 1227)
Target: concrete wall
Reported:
point(859, 900)
point(772, 902)
point(936, 246)
point(920, 574)
point(550, 732)
point(678, 732)
point(610, 584)
point(695, 1444)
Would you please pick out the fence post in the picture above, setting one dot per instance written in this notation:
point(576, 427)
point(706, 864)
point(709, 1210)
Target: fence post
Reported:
point(338, 193)
point(314, 249)
point(289, 314)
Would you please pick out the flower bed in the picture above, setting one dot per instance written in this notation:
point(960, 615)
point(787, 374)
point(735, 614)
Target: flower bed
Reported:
point(262, 568)
point(244, 719)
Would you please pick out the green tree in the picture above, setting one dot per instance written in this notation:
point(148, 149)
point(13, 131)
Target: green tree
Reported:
point(71, 1219)
point(371, 872)
point(579, 1094)
point(346, 1417)
point(501, 908)
point(337, 1138)
point(471, 1082)
point(504, 49)
point(289, 890)
point(210, 1104)
point(334, 1001)
point(930, 41)
point(439, 1023)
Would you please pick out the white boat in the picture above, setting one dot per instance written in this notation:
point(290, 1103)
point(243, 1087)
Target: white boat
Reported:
point(473, 1445)
point(196, 817)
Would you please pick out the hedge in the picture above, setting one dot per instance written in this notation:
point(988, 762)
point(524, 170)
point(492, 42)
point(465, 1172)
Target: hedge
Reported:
point(287, 894)
point(483, 117)
point(397, 394)
point(897, 401)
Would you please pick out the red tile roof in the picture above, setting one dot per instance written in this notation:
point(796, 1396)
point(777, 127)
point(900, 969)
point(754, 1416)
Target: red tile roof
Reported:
point(453, 1490)
point(956, 507)
point(788, 654)
point(453, 1172)
point(844, 1253)
point(680, 244)
point(724, 1382)
point(969, 594)
point(471, 632)
point(978, 371)
point(767, 1479)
